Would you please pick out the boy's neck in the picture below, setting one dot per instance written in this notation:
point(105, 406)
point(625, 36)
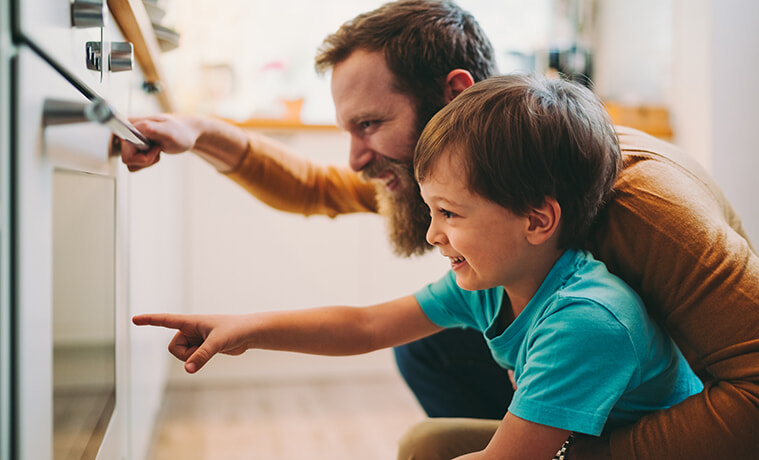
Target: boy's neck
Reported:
point(519, 297)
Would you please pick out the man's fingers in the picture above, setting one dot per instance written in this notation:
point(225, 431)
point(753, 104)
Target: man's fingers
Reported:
point(164, 134)
point(136, 160)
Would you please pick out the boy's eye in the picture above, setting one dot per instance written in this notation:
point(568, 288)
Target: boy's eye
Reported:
point(445, 213)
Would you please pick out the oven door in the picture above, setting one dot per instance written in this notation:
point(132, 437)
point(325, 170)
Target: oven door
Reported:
point(69, 310)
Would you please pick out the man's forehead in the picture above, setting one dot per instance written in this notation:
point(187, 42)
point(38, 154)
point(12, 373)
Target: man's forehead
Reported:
point(360, 94)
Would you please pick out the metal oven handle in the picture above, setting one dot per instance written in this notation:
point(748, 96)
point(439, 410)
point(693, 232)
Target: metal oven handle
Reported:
point(60, 112)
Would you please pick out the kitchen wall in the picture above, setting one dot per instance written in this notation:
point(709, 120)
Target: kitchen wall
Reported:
point(733, 97)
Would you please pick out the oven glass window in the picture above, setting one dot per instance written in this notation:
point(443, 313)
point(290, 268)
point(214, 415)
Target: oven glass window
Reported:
point(84, 390)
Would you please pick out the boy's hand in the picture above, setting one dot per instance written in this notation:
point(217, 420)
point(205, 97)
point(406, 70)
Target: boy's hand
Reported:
point(199, 337)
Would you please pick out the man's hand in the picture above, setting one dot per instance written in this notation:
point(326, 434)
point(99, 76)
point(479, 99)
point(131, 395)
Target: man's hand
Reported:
point(169, 134)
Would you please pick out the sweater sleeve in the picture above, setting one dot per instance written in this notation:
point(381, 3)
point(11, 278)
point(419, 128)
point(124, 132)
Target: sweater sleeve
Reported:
point(672, 236)
point(284, 181)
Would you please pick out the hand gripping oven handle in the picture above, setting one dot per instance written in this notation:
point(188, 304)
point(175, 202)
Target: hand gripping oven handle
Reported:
point(60, 112)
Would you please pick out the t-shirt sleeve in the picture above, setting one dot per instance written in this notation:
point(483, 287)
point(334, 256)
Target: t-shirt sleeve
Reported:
point(574, 371)
point(445, 304)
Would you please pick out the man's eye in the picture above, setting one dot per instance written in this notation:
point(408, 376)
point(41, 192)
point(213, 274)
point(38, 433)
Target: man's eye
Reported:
point(366, 124)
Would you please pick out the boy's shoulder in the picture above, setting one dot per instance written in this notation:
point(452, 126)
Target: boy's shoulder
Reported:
point(584, 287)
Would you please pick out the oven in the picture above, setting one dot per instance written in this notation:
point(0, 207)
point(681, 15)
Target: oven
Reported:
point(67, 299)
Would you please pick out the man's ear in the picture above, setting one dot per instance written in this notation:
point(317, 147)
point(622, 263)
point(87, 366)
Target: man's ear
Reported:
point(457, 81)
point(543, 221)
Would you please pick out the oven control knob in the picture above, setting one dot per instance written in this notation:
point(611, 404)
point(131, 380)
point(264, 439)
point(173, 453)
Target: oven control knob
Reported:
point(87, 13)
point(94, 55)
point(121, 57)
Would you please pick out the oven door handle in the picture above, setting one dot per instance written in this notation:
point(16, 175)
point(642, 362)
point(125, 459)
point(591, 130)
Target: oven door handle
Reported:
point(61, 112)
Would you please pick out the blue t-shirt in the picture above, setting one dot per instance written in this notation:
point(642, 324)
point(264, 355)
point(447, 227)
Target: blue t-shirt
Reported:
point(586, 356)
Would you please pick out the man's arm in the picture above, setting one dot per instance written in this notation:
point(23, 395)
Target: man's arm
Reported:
point(218, 142)
point(285, 181)
point(264, 167)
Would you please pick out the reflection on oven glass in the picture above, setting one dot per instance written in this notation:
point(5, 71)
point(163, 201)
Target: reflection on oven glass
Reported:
point(84, 390)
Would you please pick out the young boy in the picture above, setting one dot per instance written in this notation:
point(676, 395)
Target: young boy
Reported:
point(513, 171)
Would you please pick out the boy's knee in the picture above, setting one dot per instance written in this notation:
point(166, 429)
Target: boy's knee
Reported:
point(420, 442)
point(445, 438)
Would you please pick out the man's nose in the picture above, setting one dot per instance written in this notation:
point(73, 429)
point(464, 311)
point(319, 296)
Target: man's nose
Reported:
point(360, 155)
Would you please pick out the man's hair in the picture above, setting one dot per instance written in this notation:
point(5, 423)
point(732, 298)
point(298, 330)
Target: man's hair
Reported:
point(524, 138)
point(422, 41)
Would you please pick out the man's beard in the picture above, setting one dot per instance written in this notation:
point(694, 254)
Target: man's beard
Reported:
point(408, 216)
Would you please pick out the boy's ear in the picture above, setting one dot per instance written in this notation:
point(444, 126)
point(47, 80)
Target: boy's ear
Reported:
point(457, 81)
point(543, 221)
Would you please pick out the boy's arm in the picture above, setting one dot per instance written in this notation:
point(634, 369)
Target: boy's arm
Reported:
point(324, 331)
point(520, 439)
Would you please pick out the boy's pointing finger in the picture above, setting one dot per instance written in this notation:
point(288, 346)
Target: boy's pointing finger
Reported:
point(163, 320)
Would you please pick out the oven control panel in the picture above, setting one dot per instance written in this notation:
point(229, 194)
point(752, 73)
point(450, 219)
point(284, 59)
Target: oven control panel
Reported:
point(78, 38)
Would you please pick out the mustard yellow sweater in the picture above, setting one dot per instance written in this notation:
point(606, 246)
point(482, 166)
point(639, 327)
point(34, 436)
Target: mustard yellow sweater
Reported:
point(668, 232)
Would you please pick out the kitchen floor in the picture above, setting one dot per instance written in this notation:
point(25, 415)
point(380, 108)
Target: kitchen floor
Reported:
point(349, 419)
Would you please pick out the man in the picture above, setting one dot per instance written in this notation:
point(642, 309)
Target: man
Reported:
point(668, 231)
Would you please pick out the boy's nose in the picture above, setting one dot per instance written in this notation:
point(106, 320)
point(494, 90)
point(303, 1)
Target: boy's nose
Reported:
point(434, 236)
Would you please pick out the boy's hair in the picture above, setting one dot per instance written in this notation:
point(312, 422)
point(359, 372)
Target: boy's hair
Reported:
point(524, 138)
point(422, 41)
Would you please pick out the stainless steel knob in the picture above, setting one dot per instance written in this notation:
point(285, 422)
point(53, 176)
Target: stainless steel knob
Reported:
point(94, 55)
point(87, 13)
point(121, 57)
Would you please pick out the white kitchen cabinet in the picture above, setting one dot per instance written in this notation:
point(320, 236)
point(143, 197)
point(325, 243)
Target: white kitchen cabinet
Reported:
point(156, 276)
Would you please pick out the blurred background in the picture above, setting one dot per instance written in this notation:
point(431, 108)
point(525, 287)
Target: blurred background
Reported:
point(228, 54)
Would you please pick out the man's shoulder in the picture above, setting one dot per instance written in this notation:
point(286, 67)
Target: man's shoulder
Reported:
point(638, 147)
point(657, 174)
